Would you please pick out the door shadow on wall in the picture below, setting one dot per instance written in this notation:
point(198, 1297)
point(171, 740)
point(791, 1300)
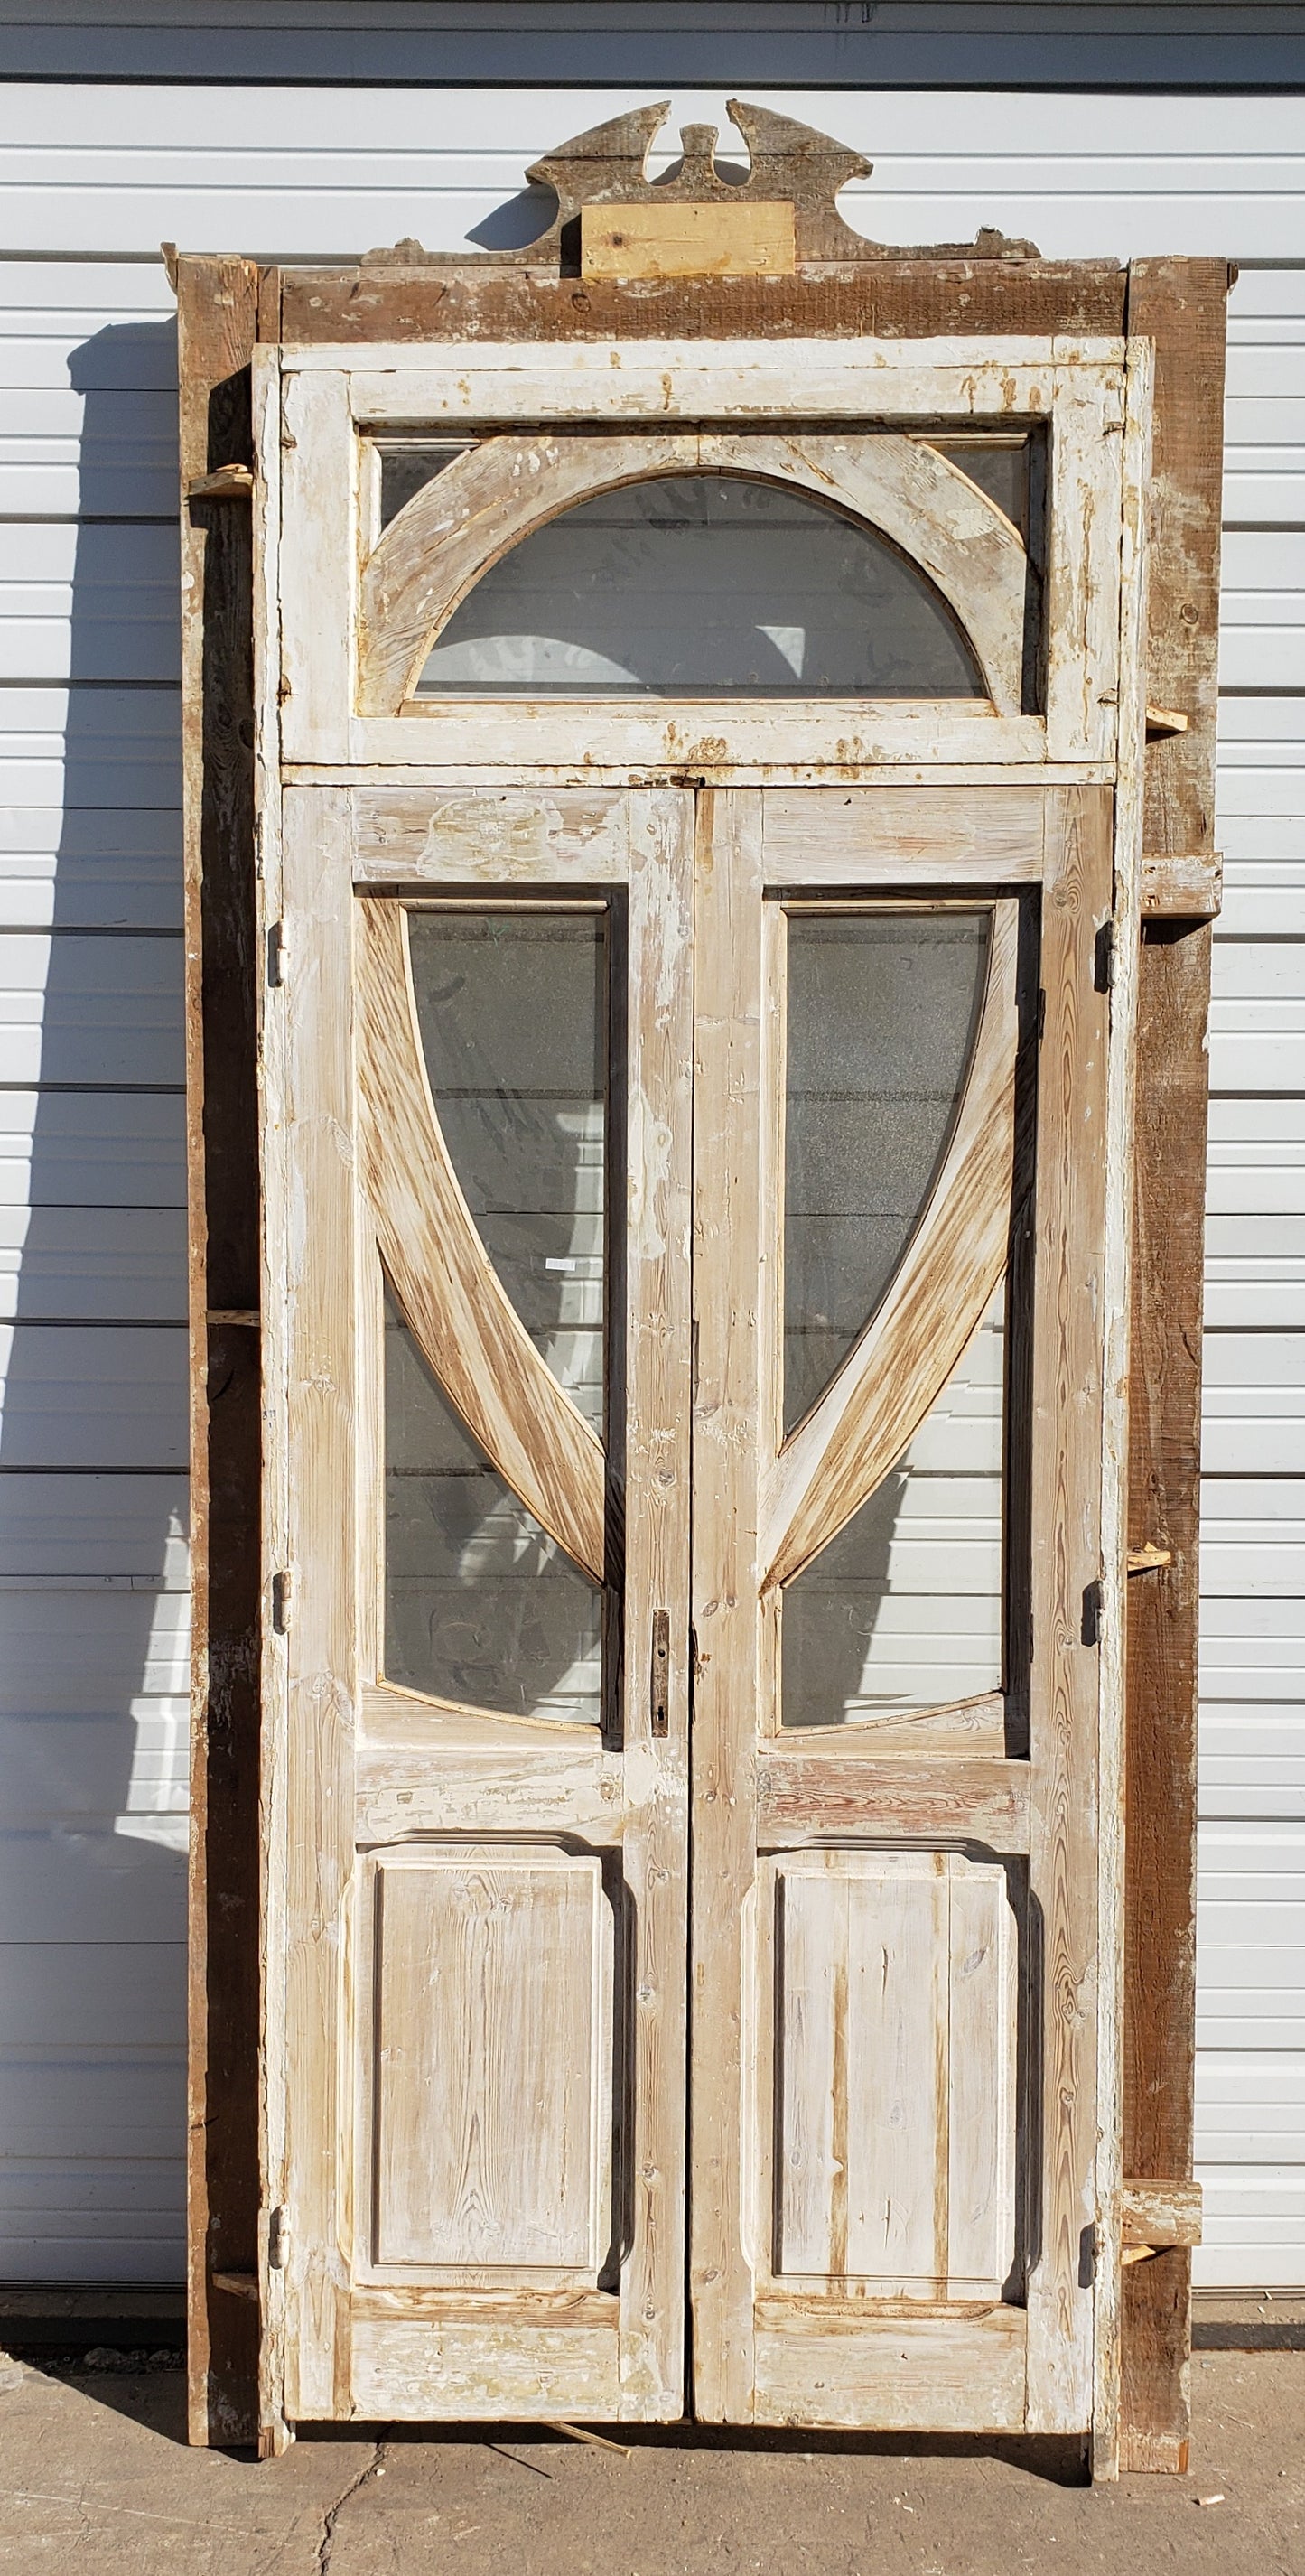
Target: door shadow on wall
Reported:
point(93, 1436)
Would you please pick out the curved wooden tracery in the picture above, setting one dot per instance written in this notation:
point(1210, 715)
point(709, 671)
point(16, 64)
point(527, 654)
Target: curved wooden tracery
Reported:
point(452, 1298)
point(906, 1353)
point(492, 497)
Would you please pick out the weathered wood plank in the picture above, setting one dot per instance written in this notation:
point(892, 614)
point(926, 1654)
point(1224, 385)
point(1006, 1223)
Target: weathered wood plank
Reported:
point(411, 836)
point(802, 1793)
point(1068, 1362)
point(948, 2373)
point(727, 1115)
point(953, 836)
point(657, 1016)
point(1181, 304)
point(1181, 886)
point(753, 240)
point(892, 299)
point(313, 1518)
point(1124, 937)
point(217, 323)
point(1161, 2213)
point(472, 2370)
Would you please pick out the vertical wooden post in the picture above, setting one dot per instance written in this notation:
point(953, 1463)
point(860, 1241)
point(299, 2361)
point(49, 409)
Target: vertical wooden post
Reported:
point(217, 325)
point(1180, 304)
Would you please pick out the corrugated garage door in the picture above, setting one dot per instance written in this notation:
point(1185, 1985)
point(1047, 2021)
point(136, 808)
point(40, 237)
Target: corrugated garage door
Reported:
point(93, 1434)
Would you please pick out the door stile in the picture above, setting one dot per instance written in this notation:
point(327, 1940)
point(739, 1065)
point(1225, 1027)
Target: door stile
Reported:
point(318, 1586)
point(727, 1272)
point(659, 1055)
point(1065, 1678)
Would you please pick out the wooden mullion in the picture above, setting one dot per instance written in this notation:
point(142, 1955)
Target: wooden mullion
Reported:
point(217, 319)
point(1180, 304)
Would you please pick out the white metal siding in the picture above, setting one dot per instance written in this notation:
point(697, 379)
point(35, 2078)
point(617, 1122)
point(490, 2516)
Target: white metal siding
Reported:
point(92, 1440)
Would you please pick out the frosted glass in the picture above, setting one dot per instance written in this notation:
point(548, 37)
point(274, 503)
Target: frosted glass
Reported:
point(903, 1610)
point(512, 1011)
point(882, 1009)
point(694, 585)
point(481, 1606)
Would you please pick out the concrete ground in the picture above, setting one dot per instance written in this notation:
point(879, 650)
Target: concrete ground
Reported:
point(94, 2477)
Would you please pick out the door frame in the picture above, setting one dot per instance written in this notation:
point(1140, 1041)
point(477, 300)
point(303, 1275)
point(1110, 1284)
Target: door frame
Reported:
point(229, 307)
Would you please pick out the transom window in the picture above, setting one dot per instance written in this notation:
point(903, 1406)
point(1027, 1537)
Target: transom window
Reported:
point(695, 585)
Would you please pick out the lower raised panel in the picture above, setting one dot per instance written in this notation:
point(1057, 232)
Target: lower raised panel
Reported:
point(894, 2083)
point(927, 2373)
point(404, 2371)
point(489, 2048)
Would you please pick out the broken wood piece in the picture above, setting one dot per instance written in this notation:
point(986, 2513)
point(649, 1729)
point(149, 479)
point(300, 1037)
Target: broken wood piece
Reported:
point(1145, 1560)
point(233, 1315)
point(241, 2285)
point(1164, 720)
point(695, 240)
point(1138, 2254)
point(1181, 888)
point(227, 482)
point(1159, 2214)
point(596, 2441)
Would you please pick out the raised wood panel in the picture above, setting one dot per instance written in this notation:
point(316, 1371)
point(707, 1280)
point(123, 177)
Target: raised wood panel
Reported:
point(938, 835)
point(894, 2073)
point(937, 2372)
point(833, 1791)
point(472, 2370)
point(406, 836)
point(484, 2058)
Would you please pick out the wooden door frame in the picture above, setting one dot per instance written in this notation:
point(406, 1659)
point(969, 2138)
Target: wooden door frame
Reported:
point(229, 306)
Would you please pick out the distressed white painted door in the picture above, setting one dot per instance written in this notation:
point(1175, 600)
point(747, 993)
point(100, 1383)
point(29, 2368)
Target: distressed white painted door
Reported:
point(484, 1168)
point(864, 1030)
point(900, 1099)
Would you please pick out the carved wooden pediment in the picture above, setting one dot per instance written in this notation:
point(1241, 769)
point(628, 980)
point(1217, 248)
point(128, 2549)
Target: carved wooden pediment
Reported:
point(705, 216)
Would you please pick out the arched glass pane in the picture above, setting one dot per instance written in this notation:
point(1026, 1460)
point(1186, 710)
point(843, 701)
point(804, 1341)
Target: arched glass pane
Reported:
point(903, 1610)
point(512, 1010)
point(882, 1011)
point(481, 1606)
point(697, 585)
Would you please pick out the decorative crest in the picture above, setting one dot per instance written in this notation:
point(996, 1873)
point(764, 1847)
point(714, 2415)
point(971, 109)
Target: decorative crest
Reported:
point(792, 166)
point(789, 163)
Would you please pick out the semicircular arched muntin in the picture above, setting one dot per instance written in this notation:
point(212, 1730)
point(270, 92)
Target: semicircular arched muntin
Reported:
point(491, 500)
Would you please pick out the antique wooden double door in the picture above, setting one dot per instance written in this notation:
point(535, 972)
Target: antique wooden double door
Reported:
point(699, 804)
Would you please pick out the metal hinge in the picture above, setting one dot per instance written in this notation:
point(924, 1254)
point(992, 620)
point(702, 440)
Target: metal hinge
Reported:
point(282, 1591)
point(276, 953)
point(278, 2240)
point(1103, 958)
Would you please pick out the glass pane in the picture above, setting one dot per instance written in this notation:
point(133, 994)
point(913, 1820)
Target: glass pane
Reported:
point(408, 466)
point(1000, 467)
point(697, 585)
point(512, 1012)
point(903, 1610)
point(481, 1605)
point(882, 1009)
